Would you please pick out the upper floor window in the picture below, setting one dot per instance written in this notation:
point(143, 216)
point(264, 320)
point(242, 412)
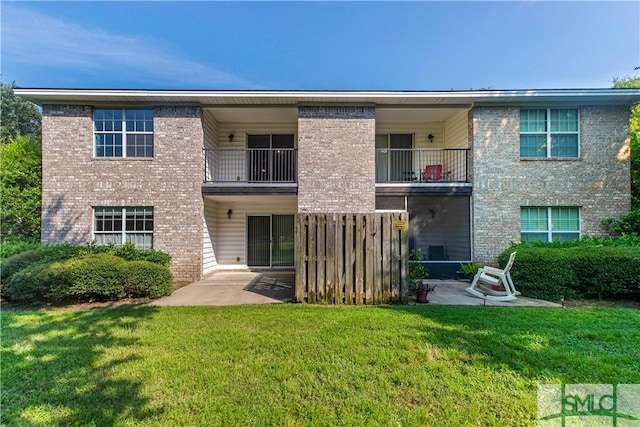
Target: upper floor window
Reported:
point(548, 224)
point(551, 132)
point(123, 133)
point(116, 225)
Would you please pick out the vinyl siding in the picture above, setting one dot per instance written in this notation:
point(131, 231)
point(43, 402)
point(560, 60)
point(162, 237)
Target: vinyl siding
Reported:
point(240, 132)
point(420, 130)
point(209, 261)
point(456, 130)
point(231, 237)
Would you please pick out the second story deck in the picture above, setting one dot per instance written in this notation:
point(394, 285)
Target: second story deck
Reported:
point(275, 170)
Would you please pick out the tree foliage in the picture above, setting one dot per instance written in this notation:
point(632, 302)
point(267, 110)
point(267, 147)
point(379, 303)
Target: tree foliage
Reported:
point(634, 131)
point(21, 167)
point(20, 187)
point(19, 117)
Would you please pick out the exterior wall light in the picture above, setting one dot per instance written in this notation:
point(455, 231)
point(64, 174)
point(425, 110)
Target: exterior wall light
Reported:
point(229, 212)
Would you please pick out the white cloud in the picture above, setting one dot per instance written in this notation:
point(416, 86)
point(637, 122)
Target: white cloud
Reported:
point(32, 38)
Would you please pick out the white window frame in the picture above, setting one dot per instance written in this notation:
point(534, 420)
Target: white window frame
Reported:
point(124, 134)
point(123, 232)
point(550, 231)
point(548, 132)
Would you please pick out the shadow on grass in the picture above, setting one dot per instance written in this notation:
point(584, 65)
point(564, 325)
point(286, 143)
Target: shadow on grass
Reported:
point(58, 367)
point(541, 344)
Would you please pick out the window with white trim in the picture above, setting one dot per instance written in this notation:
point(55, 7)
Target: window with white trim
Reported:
point(548, 224)
point(123, 132)
point(551, 132)
point(116, 225)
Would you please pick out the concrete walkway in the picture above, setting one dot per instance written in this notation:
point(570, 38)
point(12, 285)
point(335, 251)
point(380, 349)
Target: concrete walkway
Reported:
point(242, 287)
point(235, 288)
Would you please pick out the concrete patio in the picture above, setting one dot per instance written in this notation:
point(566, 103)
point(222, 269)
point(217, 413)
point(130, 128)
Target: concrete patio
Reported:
point(248, 287)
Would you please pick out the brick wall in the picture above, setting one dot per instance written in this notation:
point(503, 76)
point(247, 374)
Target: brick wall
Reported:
point(598, 182)
point(74, 182)
point(336, 159)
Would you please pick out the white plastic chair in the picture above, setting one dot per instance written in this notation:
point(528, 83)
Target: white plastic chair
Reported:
point(491, 276)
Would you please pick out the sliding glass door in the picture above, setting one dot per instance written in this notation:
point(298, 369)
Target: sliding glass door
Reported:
point(270, 241)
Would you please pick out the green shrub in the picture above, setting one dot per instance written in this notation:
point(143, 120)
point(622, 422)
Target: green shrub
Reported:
point(129, 252)
point(31, 284)
point(583, 270)
point(17, 262)
point(94, 277)
point(626, 224)
point(146, 279)
point(10, 247)
point(98, 277)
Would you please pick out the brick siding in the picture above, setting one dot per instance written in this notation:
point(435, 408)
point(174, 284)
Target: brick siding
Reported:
point(598, 181)
point(336, 159)
point(74, 181)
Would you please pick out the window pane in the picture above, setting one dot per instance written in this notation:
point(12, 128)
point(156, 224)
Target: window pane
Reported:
point(533, 120)
point(141, 240)
point(140, 219)
point(139, 145)
point(563, 145)
point(258, 141)
point(533, 145)
point(533, 219)
point(564, 120)
point(139, 120)
point(107, 144)
point(108, 239)
point(533, 237)
point(282, 141)
point(565, 219)
point(565, 237)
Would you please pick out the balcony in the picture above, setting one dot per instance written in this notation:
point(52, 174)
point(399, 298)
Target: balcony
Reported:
point(395, 166)
point(249, 166)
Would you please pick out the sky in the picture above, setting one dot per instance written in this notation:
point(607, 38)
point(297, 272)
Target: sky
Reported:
point(425, 45)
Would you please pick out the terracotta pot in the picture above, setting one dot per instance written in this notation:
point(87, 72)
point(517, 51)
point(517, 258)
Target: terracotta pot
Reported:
point(421, 296)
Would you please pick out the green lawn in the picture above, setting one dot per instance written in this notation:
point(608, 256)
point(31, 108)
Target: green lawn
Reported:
point(305, 365)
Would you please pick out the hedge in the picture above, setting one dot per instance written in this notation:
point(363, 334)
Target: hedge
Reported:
point(12, 246)
point(582, 270)
point(95, 277)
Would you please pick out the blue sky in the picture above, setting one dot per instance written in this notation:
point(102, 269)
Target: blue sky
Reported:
point(319, 45)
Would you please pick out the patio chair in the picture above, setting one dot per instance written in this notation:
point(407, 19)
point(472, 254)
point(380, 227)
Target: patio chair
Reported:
point(433, 172)
point(487, 279)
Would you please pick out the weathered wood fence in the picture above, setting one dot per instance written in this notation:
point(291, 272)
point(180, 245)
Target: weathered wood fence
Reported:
point(344, 258)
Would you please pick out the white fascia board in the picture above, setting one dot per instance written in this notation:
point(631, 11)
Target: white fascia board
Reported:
point(399, 97)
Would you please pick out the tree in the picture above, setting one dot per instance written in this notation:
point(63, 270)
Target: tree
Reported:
point(18, 117)
point(634, 133)
point(20, 167)
point(20, 187)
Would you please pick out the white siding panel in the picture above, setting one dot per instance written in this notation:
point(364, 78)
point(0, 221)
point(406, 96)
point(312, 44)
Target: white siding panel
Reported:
point(456, 130)
point(241, 130)
point(210, 126)
point(209, 261)
point(420, 131)
point(231, 239)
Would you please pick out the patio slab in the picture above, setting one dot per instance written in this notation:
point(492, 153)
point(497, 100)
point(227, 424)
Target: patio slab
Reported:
point(452, 292)
point(248, 287)
point(234, 288)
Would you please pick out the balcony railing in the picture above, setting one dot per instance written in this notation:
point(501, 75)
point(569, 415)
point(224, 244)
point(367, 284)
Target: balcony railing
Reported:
point(422, 165)
point(251, 165)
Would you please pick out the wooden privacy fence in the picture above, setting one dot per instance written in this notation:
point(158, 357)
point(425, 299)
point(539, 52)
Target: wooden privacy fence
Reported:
point(344, 258)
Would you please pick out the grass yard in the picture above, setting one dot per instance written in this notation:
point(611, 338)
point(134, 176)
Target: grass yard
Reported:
point(304, 365)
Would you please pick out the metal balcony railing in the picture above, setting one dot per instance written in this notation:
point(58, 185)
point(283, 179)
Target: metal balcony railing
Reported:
point(251, 165)
point(422, 165)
